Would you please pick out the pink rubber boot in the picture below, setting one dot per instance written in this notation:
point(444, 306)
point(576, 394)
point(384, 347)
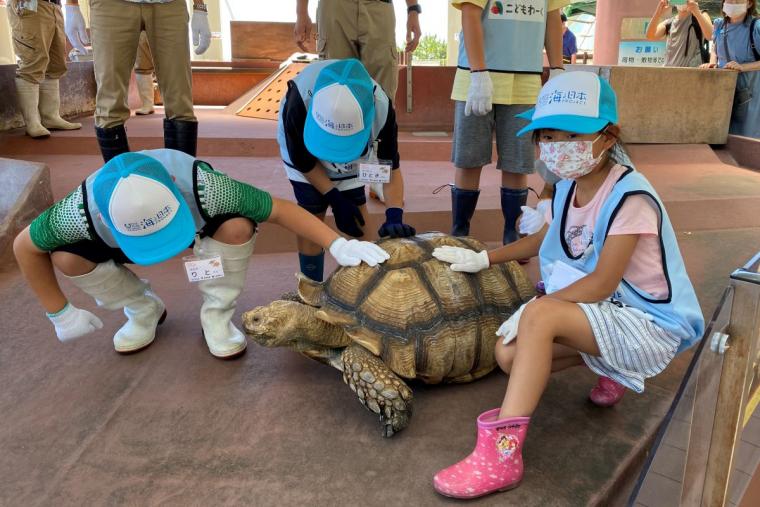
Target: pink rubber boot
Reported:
point(606, 392)
point(495, 464)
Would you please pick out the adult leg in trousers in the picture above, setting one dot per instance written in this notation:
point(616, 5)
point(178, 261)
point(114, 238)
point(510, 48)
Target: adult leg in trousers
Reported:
point(337, 29)
point(167, 27)
point(50, 95)
point(377, 43)
point(144, 76)
point(29, 30)
point(115, 30)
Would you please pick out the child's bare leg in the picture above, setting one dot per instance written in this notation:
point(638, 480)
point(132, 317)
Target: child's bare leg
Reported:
point(563, 357)
point(71, 264)
point(543, 321)
point(467, 179)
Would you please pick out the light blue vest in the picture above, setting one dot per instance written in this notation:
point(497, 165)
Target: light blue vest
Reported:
point(305, 82)
point(513, 36)
point(178, 164)
point(679, 313)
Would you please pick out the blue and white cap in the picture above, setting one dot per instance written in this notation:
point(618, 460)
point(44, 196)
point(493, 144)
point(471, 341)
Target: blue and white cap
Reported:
point(144, 208)
point(580, 102)
point(341, 112)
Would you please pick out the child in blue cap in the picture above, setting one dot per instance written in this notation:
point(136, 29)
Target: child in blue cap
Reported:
point(618, 296)
point(333, 120)
point(501, 59)
point(144, 208)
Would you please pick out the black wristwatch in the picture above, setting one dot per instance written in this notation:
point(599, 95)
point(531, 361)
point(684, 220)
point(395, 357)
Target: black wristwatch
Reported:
point(414, 8)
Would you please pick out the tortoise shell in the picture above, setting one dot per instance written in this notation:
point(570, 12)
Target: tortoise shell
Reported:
point(423, 319)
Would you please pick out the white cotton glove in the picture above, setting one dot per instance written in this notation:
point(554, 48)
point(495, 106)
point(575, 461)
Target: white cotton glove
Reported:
point(555, 72)
point(76, 31)
point(201, 31)
point(462, 259)
point(354, 252)
point(532, 220)
point(479, 95)
point(508, 330)
point(73, 322)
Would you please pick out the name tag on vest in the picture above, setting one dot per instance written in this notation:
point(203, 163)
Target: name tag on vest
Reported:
point(521, 10)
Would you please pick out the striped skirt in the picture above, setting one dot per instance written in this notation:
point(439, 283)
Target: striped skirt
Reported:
point(632, 347)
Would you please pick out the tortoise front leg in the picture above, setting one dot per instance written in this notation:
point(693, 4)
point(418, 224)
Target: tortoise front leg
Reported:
point(378, 388)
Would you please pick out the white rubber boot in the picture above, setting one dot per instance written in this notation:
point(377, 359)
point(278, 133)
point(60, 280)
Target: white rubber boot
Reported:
point(220, 296)
point(50, 107)
point(376, 192)
point(113, 286)
point(145, 90)
point(29, 100)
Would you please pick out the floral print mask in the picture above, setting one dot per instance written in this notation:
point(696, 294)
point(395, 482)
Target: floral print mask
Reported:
point(570, 159)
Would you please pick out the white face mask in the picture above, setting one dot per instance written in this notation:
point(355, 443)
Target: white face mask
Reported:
point(734, 10)
point(570, 159)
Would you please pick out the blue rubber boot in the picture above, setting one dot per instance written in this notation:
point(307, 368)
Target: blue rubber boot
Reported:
point(511, 200)
point(312, 266)
point(463, 204)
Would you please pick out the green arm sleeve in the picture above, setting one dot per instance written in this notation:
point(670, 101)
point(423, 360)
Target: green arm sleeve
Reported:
point(63, 223)
point(218, 194)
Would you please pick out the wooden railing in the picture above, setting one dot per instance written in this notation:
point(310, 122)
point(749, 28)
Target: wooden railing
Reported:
point(721, 388)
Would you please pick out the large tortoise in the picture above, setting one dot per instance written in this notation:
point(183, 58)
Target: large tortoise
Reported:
point(409, 318)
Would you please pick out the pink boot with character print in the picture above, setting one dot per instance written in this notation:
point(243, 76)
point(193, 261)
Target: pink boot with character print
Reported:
point(495, 464)
point(606, 393)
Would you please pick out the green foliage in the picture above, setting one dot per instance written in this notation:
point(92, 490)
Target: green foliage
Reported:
point(431, 48)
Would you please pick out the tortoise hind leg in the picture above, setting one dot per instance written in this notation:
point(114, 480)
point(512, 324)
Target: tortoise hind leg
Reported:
point(378, 388)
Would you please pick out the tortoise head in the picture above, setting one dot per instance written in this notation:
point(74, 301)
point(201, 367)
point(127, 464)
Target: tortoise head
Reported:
point(274, 325)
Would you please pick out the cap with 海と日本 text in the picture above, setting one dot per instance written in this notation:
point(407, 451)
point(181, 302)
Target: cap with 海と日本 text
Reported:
point(138, 200)
point(341, 112)
point(579, 101)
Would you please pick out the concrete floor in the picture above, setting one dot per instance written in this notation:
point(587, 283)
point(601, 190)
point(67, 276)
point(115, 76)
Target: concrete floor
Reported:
point(174, 426)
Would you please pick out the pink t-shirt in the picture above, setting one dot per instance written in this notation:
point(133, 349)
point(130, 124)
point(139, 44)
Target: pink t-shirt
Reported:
point(638, 215)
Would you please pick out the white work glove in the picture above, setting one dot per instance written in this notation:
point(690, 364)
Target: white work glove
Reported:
point(201, 31)
point(555, 72)
point(508, 329)
point(73, 322)
point(480, 94)
point(462, 259)
point(76, 31)
point(353, 252)
point(532, 220)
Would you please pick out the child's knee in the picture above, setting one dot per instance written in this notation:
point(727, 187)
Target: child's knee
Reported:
point(71, 264)
point(235, 231)
point(505, 355)
point(541, 312)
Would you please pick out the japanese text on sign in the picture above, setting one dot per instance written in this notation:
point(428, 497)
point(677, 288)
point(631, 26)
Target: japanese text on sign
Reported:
point(520, 10)
point(642, 53)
